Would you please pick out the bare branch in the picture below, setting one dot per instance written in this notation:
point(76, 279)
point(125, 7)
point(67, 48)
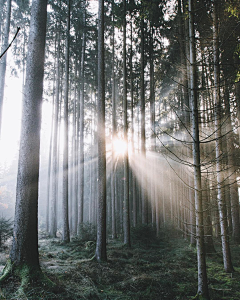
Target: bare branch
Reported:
point(18, 29)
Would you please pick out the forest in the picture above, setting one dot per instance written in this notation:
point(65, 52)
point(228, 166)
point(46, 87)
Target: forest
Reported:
point(120, 149)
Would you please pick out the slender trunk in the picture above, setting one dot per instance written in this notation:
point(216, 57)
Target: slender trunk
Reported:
point(53, 206)
point(49, 172)
point(192, 209)
point(51, 144)
point(90, 218)
point(78, 177)
point(143, 135)
point(74, 159)
point(101, 251)
point(114, 128)
point(237, 95)
point(134, 197)
point(81, 137)
point(233, 186)
point(66, 233)
point(217, 103)
point(202, 273)
point(209, 245)
point(152, 121)
point(126, 213)
point(24, 59)
point(3, 61)
point(95, 165)
point(1, 18)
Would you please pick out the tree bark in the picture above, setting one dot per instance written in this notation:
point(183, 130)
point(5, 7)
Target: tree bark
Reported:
point(152, 121)
point(134, 200)
point(202, 273)
point(3, 62)
point(237, 95)
point(66, 233)
point(101, 251)
point(126, 213)
point(74, 158)
point(114, 129)
point(143, 133)
point(217, 118)
point(232, 178)
point(81, 137)
point(25, 235)
point(53, 205)
point(49, 179)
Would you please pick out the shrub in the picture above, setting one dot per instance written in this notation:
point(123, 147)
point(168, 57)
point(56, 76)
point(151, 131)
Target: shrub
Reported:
point(87, 232)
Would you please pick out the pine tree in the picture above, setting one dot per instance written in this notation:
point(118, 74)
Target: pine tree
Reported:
point(202, 273)
point(24, 255)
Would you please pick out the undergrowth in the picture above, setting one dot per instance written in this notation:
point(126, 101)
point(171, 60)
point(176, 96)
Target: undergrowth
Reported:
point(153, 268)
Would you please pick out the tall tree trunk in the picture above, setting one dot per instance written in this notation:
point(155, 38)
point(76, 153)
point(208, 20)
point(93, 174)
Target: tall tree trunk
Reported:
point(184, 31)
point(78, 112)
point(134, 198)
point(49, 172)
point(209, 245)
point(24, 250)
point(81, 137)
point(207, 211)
point(101, 251)
point(3, 62)
point(90, 217)
point(114, 129)
point(232, 178)
point(126, 213)
point(49, 179)
point(66, 233)
point(202, 273)
point(143, 135)
point(152, 121)
point(53, 205)
point(237, 95)
point(95, 164)
point(74, 158)
point(217, 103)
point(1, 17)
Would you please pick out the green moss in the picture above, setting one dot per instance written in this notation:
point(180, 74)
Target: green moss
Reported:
point(30, 277)
point(200, 297)
point(7, 271)
point(164, 269)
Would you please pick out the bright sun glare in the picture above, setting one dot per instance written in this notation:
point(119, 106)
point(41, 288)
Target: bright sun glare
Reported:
point(119, 146)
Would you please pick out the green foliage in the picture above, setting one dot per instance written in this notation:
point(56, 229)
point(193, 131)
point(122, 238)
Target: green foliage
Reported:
point(87, 232)
point(234, 8)
point(166, 269)
point(5, 230)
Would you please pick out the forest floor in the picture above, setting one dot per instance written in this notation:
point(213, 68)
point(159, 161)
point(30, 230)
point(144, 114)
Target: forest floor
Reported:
point(163, 268)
